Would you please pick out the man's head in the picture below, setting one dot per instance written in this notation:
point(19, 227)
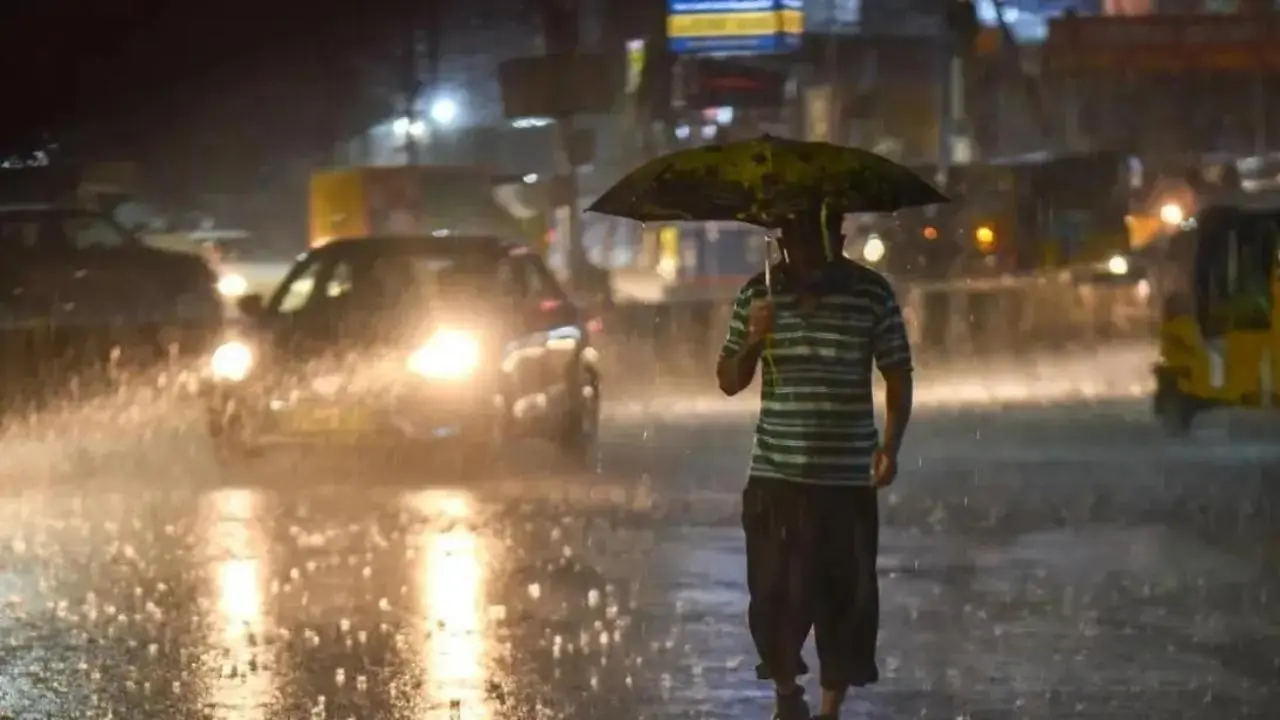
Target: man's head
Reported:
point(813, 235)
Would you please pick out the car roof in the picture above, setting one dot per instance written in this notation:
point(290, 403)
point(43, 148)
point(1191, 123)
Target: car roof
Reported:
point(443, 244)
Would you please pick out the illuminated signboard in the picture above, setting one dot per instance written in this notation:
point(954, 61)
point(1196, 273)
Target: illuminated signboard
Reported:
point(720, 82)
point(1164, 43)
point(722, 27)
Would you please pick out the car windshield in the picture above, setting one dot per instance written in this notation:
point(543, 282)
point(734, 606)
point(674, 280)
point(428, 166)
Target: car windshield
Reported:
point(57, 231)
point(1236, 256)
point(392, 284)
point(391, 280)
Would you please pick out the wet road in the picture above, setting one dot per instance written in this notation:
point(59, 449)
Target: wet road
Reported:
point(1047, 555)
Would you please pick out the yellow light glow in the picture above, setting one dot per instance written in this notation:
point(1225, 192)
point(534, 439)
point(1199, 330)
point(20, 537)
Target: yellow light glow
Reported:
point(447, 355)
point(239, 594)
point(451, 582)
point(1172, 214)
point(232, 361)
point(985, 237)
point(449, 578)
point(234, 540)
point(233, 285)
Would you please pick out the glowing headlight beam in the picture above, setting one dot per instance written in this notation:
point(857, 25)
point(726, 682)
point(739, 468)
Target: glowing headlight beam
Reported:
point(233, 285)
point(1118, 265)
point(231, 361)
point(447, 355)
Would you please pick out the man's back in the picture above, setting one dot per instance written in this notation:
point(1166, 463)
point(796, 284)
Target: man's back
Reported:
point(817, 421)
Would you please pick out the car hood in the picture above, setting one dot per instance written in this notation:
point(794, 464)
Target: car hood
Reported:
point(139, 287)
point(168, 276)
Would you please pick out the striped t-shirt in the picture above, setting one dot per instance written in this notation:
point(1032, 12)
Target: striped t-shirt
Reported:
point(817, 421)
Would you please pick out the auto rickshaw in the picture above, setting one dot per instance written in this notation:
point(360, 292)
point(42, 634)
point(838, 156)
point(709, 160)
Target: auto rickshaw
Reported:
point(1220, 334)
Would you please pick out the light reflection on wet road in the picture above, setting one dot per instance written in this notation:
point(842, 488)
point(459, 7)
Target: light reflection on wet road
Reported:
point(1124, 576)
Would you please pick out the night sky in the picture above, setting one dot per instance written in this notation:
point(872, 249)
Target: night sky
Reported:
point(141, 69)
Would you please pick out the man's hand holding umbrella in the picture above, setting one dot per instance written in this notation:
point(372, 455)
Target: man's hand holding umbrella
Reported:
point(759, 320)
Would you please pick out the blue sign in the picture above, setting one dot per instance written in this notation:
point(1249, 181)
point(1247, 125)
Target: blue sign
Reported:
point(722, 27)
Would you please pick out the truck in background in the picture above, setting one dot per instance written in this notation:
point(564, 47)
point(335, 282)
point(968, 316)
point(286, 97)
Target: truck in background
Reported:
point(417, 199)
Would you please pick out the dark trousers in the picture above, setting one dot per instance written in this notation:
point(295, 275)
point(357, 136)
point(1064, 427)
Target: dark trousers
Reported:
point(811, 564)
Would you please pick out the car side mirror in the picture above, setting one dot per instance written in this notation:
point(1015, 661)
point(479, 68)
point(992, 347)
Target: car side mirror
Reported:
point(251, 306)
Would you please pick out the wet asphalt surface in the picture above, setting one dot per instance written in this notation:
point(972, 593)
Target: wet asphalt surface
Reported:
point(1047, 554)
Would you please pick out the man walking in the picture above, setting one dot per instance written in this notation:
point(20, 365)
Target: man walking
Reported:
point(810, 512)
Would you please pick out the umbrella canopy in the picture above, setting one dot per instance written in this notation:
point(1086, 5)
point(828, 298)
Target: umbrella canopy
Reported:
point(763, 182)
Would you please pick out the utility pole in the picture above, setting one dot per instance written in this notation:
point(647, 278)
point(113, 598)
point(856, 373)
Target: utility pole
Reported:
point(560, 32)
point(959, 33)
point(834, 133)
point(410, 88)
point(1011, 56)
point(419, 75)
point(432, 31)
point(1259, 92)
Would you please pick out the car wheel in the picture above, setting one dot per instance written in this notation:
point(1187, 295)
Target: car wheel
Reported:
point(580, 429)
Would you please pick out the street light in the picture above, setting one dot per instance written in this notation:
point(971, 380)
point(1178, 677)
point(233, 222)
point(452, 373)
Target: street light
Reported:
point(444, 111)
point(985, 238)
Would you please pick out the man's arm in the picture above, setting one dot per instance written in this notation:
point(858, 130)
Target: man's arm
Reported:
point(740, 353)
point(898, 392)
point(892, 353)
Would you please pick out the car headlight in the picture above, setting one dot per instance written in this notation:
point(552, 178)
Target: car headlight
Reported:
point(231, 361)
point(873, 249)
point(447, 355)
point(1118, 265)
point(233, 285)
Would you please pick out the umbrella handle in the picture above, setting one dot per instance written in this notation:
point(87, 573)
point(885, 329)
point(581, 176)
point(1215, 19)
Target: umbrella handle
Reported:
point(769, 242)
point(768, 290)
point(768, 273)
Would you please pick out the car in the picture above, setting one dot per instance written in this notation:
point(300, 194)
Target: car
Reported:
point(76, 285)
point(408, 343)
point(242, 264)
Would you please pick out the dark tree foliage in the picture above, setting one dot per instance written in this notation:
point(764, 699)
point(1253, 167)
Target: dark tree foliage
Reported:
point(219, 89)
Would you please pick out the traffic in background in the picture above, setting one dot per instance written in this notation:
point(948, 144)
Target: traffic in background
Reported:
point(1033, 253)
